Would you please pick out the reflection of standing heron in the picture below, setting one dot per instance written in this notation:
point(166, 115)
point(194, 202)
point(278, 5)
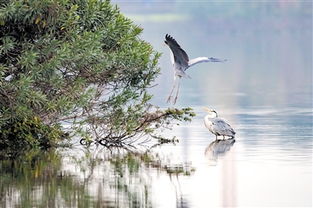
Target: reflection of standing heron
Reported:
point(181, 63)
point(220, 151)
point(218, 126)
point(218, 148)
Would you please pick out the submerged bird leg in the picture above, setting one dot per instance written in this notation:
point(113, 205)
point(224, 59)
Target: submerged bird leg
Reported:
point(177, 92)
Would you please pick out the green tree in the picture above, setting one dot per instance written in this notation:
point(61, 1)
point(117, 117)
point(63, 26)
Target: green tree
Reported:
point(76, 62)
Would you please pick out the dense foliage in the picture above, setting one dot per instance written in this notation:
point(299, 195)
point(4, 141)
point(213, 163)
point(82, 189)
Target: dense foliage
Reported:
point(74, 63)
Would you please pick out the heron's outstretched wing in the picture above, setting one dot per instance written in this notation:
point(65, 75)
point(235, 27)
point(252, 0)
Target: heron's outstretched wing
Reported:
point(204, 59)
point(180, 56)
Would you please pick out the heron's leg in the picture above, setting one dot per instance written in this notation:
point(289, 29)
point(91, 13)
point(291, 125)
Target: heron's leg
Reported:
point(178, 86)
point(174, 86)
point(170, 96)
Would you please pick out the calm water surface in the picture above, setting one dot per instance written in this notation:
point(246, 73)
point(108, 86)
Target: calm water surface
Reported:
point(264, 90)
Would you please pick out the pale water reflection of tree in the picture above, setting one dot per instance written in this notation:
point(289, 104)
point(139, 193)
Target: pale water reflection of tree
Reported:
point(96, 176)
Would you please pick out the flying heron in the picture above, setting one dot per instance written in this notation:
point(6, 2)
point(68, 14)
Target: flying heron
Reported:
point(218, 126)
point(181, 63)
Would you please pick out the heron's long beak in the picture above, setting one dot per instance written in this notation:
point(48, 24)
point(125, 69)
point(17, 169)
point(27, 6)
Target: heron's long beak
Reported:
point(206, 109)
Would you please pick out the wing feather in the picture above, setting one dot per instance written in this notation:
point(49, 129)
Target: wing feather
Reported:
point(221, 127)
point(180, 56)
point(204, 59)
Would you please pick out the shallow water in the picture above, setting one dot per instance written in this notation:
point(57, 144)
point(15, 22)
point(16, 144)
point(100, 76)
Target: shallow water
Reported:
point(264, 90)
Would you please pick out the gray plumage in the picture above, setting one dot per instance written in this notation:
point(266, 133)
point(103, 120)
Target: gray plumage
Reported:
point(218, 126)
point(181, 63)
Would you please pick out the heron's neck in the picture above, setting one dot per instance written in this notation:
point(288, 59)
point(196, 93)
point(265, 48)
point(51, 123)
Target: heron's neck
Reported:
point(207, 117)
point(210, 116)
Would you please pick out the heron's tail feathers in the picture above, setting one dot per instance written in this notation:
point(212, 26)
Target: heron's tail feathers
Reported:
point(180, 73)
point(187, 76)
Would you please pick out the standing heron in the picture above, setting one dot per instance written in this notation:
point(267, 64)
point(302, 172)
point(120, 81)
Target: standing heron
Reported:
point(181, 63)
point(218, 126)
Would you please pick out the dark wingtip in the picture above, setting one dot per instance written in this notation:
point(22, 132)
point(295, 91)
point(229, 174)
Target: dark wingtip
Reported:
point(217, 60)
point(168, 37)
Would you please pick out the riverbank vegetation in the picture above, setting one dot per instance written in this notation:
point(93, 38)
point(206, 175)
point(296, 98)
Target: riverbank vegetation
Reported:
point(74, 68)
